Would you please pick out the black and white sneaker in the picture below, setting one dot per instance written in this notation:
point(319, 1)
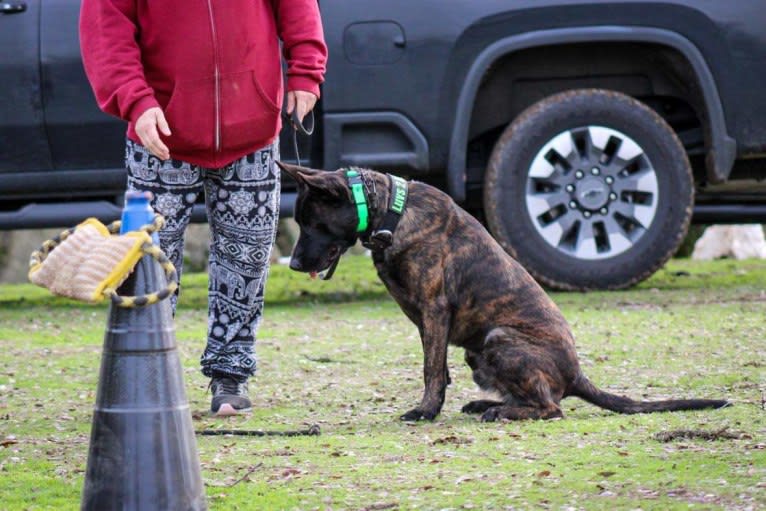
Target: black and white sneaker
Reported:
point(229, 397)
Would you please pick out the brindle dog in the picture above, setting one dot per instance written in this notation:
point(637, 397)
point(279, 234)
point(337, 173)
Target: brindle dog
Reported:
point(456, 283)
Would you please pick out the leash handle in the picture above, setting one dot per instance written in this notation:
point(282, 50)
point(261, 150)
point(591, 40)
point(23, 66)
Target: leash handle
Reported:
point(298, 126)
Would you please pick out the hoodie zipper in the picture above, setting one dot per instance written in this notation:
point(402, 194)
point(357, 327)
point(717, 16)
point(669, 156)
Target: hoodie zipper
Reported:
point(217, 75)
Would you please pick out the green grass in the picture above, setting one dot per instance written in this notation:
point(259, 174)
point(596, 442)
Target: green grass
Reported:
point(340, 354)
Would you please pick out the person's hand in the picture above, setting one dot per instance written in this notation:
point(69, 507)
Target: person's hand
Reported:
point(301, 101)
point(146, 129)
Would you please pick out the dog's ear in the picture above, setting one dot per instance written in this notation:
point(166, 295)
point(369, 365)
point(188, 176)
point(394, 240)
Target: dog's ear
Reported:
point(329, 184)
point(295, 171)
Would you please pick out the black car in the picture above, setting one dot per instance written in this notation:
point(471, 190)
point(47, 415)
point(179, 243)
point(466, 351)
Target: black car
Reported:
point(586, 135)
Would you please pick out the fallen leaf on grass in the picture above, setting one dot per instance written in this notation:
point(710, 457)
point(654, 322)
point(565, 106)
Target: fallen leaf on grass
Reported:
point(648, 493)
point(290, 472)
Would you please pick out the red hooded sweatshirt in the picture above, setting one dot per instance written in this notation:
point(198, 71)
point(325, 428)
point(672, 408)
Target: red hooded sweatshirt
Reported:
point(213, 66)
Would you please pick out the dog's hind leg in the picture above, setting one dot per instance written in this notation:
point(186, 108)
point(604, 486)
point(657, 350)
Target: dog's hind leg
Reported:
point(539, 404)
point(523, 372)
point(480, 406)
point(520, 413)
point(481, 377)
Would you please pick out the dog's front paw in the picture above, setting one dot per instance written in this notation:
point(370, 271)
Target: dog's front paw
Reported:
point(417, 414)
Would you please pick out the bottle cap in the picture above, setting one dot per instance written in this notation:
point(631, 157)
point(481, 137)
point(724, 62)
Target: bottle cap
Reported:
point(136, 195)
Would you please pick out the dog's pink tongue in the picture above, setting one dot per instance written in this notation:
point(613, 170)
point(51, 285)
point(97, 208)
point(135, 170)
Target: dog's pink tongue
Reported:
point(313, 274)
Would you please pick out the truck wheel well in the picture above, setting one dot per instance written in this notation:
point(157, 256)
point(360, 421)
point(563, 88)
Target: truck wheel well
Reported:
point(655, 74)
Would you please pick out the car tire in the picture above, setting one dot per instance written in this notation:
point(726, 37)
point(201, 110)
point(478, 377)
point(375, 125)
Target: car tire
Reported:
point(589, 189)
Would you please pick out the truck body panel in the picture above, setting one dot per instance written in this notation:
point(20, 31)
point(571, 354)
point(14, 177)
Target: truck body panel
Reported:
point(402, 82)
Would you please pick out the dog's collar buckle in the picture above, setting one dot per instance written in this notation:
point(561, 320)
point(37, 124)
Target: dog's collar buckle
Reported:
point(379, 240)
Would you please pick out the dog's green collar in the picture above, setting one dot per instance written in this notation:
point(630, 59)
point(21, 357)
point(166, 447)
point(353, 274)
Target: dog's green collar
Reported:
point(383, 236)
point(357, 191)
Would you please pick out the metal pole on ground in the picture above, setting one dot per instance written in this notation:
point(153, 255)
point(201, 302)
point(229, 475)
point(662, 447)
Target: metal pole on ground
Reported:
point(143, 451)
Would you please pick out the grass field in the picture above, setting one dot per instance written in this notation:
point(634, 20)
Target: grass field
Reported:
point(341, 355)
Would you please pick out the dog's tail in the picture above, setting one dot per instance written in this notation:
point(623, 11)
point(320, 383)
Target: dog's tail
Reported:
point(583, 388)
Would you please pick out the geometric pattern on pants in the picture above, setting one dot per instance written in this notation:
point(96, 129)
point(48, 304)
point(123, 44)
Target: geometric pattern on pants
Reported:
point(242, 202)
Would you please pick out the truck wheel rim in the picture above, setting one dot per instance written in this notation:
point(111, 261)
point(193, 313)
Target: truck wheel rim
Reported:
point(591, 192)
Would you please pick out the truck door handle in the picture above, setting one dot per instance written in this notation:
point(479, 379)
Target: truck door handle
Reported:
point(12, 7)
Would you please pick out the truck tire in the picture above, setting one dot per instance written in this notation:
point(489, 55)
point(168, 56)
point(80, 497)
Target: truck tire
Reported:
point(589, 189)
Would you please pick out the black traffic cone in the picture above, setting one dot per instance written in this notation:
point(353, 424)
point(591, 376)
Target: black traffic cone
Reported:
point(143, 452)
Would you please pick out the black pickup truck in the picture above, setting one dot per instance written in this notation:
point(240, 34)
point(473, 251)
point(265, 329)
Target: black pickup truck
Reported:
point(585, 134)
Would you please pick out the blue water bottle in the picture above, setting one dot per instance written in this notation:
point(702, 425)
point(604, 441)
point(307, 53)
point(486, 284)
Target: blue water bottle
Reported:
point(137, 213)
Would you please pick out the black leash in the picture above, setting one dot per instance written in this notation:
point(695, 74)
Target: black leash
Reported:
point(298, 126)
point(311, 431)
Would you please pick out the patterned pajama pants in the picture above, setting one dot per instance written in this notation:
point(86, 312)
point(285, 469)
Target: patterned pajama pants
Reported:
point(242, 202)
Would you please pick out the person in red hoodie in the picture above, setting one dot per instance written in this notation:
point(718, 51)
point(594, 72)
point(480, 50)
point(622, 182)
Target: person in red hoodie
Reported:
point(200, 85)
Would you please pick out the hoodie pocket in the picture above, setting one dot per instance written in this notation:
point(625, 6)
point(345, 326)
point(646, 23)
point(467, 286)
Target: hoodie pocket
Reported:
point(191, 116)
point(250, 116)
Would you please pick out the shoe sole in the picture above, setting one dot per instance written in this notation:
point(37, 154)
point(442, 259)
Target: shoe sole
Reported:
point(226, 410)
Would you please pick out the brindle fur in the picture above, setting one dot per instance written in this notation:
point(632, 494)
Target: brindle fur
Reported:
point(455, 282)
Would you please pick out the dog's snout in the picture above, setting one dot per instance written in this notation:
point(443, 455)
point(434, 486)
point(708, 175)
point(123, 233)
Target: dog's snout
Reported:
point(295, 264)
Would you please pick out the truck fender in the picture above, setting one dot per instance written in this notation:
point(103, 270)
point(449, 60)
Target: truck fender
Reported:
point(721, 154)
